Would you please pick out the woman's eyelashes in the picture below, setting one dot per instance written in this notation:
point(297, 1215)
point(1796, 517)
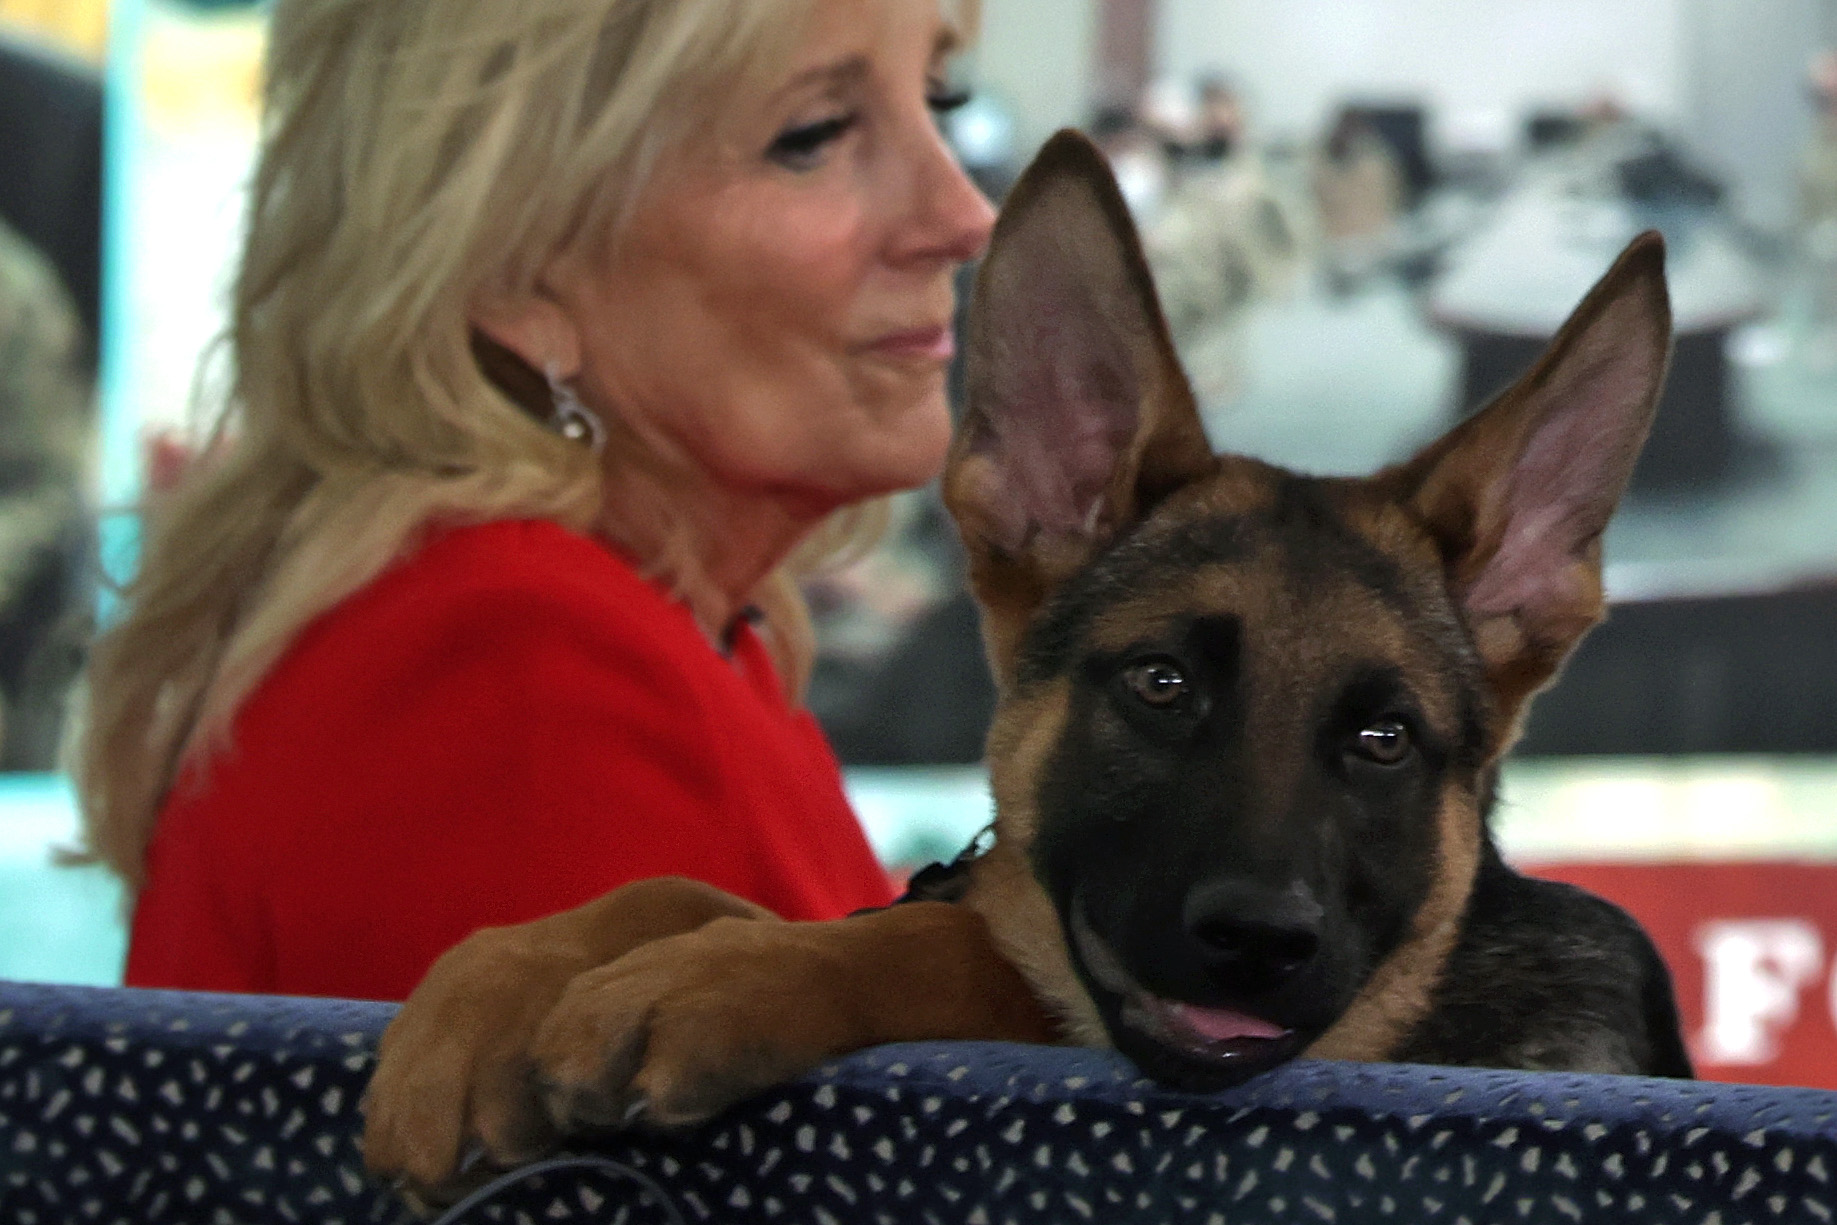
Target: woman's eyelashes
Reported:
point(943, 100)
point(802, 145)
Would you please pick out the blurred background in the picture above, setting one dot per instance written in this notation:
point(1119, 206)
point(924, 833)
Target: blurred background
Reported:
point(1365, 216)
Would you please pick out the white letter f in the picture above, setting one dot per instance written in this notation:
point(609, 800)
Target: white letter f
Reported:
point(1754, 970)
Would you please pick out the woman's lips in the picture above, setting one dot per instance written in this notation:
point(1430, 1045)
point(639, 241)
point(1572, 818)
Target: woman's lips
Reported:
point(933, 344)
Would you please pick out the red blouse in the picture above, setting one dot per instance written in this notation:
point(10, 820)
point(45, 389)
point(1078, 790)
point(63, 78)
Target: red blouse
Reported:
point(507, 724)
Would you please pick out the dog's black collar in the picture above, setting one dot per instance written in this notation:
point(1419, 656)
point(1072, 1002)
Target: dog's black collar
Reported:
point(942, 882)
point(751, 614)
point(948, 882)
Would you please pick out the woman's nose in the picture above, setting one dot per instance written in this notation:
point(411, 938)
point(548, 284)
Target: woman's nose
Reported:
point(950, 217)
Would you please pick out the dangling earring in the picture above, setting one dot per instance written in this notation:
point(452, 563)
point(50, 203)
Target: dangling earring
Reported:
point(570, 418)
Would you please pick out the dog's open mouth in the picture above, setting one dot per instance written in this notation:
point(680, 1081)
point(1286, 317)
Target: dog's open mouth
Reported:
point(1185, 1044)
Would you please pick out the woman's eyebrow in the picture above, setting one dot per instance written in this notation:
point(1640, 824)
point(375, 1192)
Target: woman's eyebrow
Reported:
point(851, 70)
point(854, 68)
point(832, 76)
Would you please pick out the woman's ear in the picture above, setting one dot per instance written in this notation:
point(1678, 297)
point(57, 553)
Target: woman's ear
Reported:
point(532, 324)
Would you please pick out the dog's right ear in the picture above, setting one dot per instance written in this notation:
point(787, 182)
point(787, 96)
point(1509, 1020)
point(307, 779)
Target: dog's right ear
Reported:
point(1518, 495)
point(1080, 418)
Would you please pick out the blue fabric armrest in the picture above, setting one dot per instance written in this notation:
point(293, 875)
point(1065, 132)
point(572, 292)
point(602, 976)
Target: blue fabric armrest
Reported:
point(140, 1106)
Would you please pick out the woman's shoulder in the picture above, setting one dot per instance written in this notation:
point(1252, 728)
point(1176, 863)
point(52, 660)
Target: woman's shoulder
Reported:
point(521, 552)
point(487, 598)
point(519, 563)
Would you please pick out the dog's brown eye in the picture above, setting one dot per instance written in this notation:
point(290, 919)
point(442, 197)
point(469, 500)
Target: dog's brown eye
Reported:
point(1386, 742)
point(1157, 682)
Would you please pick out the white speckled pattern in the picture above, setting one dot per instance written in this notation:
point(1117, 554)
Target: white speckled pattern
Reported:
point(129, 1106)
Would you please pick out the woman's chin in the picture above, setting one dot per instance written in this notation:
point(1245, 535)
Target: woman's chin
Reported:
point(901, 459)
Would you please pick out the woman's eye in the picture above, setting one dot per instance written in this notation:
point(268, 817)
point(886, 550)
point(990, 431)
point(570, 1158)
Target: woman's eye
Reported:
point(800, 147)
point(1386, 742)
point(943, 101)
point(1158, 682)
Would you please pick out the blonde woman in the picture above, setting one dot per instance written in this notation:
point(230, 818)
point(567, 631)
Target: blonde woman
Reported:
point(562, 327)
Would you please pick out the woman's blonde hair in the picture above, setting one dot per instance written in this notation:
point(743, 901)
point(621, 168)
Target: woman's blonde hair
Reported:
point(416, 153)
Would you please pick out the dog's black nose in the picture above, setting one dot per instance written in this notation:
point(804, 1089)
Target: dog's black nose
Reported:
point(1250, 936)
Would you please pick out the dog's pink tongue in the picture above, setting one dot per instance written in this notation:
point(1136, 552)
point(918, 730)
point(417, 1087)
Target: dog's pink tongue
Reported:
point(1222, 1024)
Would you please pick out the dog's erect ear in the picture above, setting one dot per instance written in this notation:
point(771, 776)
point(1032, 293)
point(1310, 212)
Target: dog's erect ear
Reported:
point(1080, 419)
point(1519, 494)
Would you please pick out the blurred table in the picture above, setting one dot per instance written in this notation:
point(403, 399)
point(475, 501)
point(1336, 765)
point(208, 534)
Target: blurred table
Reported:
point(1506, 291)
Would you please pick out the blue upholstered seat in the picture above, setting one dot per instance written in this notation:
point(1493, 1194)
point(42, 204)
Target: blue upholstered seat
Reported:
point(130, 1106)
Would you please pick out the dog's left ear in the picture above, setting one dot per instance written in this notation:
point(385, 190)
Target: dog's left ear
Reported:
point(1518, 495)
point(1080, 419)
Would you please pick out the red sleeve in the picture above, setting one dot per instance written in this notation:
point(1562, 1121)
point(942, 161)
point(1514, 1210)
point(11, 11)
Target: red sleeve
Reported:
point(474, 760)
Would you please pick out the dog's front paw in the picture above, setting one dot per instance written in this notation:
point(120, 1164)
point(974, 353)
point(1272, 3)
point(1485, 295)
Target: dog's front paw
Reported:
point(677, 1031)
point(452, 1086)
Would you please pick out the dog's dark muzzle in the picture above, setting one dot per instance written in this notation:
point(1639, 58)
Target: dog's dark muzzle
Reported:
point(1208, 988)
point(1250, 939)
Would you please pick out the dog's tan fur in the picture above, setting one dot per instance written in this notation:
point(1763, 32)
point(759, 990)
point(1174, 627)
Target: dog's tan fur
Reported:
point(1397, 996)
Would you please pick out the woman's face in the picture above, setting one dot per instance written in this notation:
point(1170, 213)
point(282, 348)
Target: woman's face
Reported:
point(777, 310)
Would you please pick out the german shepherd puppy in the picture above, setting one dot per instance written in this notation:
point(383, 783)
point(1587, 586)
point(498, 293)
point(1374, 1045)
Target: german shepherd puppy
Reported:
point(1245, 748)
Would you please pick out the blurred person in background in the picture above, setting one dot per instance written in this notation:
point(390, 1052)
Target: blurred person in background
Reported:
point(1818, 210)
point(1358, 191)
point(50, 262)
point(1218, 126)
point(1138, 156)
point(1223, 237)
point(47, 441)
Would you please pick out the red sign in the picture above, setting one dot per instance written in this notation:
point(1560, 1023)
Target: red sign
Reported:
point(1752, 948)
